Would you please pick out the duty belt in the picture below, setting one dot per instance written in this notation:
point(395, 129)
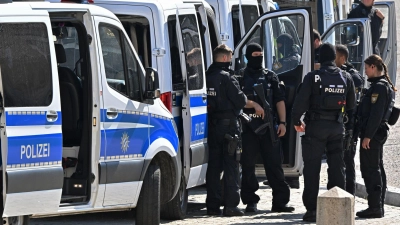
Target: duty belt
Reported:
point(223, 122)
point(315, 116)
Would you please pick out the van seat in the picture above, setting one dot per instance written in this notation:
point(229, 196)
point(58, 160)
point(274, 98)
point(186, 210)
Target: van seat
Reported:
point(71, 101)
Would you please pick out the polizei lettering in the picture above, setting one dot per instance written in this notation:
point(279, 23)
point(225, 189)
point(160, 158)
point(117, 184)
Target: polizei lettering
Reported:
point(35, 151)
point(335, 90)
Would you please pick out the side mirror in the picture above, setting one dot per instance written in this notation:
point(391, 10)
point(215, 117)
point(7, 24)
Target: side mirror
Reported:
point(152, 90)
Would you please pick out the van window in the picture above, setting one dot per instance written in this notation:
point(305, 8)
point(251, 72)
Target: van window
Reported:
point(69, 39)
point(250, 15)
point(176, 69)
point(25, 64)
point(122, 70)
point(193, 51)
point(236, 25)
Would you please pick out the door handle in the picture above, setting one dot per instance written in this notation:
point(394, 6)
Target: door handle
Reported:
point(51, 116)
point(204, 97)
point(112, 113)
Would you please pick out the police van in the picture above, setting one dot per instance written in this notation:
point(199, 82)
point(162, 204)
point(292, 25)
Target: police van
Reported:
point(234, 18)
point(82, 126)
point(177, 38)
point(355, 33)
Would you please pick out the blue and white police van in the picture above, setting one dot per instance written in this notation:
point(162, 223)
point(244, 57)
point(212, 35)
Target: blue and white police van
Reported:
point(177, 38)
point(82, 126)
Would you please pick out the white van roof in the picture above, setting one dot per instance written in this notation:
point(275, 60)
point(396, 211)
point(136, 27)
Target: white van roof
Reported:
point(19, 8)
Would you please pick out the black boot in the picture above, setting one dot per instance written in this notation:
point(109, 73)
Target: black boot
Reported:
point(370, 213)
point(233, 211)
point(251, 207)
point(310, 216)
point(282, 208)
point(214, 212)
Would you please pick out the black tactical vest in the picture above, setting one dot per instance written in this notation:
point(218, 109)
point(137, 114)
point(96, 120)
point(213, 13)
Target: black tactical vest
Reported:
point(251, 78)
point(218, 102)
point(329, 91)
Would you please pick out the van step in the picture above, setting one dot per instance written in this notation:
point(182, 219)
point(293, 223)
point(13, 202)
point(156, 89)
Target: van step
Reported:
point(72, 198)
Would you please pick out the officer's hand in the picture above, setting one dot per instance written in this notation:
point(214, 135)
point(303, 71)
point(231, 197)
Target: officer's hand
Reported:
point(259, 110)
point(380, 14)
point(365, 143)
point(281, 130)
point(301, 128)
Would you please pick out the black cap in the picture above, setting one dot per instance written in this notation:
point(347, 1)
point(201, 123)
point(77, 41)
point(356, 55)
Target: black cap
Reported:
point(253, 47)
point(327, 53)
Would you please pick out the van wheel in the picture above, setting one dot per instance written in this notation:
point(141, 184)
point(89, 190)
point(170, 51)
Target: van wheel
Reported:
point(148, 207)
point(18, 220)
point(176, 208)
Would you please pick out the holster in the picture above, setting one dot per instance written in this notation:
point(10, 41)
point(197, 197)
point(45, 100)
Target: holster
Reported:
point(234, 146)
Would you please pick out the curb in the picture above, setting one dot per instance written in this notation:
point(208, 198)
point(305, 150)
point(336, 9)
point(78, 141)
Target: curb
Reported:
point(392, 193)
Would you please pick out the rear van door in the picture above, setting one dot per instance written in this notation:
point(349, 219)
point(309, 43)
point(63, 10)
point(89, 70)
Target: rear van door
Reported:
point(31, 135)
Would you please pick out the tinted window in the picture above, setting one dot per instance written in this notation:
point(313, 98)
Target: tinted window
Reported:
point(25, 64)
point(176, 70)
point(193, 51)
point(121, 67)
point(250, 15)
point(236, 25)
point(69, 39)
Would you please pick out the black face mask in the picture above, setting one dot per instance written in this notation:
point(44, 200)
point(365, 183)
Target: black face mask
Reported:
point(255, 62)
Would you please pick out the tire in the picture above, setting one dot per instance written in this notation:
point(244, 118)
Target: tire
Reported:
point(176, 208)
point(148, 207)
point(18, 220)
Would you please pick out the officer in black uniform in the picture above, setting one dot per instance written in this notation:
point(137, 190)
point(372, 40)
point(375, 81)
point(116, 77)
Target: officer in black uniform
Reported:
point(261, 142)
point(317, 44)
point(365, 9)
point(324, 95)
point(290, 56)
point(225, 102)
point(374, 112)
point(350, 143)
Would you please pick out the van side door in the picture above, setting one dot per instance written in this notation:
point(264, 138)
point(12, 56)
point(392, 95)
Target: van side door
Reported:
point(194, 101)
point(265, 31)
point(124, 115)
point(31, 134)
point(388, 42)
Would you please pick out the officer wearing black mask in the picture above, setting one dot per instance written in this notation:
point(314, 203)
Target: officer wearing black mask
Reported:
point(365, 9)
point(290, 56)
point(324, 95)
point(260, 142)
point(225, 102)
point(350, 141)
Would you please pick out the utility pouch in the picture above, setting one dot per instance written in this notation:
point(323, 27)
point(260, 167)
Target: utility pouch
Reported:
point(232, 144)
point(333, 102)
point(394, 116)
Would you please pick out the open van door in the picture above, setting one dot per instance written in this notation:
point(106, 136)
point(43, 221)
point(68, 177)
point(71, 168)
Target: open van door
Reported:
point(194, 102)
point(31, 135)
point(265, 32)
point(356, 35)
point(388, 42)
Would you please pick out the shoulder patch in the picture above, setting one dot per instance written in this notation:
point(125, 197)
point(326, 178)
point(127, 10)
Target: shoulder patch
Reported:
point(374, 97)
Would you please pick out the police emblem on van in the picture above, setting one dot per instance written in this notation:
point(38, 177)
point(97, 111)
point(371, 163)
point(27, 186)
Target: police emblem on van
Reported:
point(125, 142)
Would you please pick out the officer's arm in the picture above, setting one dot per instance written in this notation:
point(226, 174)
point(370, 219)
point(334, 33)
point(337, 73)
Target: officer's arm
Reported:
point(235, 95)
point(378, 104)
point(302, 101)
point(279, 98)
point(351, 95)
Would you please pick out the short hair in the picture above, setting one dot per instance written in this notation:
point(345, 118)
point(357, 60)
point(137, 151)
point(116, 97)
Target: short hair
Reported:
point(316, 35)
point(195, 54)
point(221, 50)
point(342, 50)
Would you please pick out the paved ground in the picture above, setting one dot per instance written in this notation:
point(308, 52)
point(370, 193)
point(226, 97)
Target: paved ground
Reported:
point(197, 211)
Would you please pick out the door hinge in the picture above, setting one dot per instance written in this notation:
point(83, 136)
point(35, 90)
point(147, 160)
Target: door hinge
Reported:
point(328, 16)
point(159, 52)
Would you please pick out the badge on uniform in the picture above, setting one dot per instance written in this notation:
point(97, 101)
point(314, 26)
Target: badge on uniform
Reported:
point(374, 97)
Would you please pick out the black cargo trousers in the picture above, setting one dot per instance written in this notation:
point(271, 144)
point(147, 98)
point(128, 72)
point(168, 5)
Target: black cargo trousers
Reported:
point(371, 166)
point(219, 160)
point(272, 159)
point(350, 170)
point(321, 135)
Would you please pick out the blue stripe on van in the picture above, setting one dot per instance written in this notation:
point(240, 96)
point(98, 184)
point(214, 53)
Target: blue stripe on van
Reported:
point(34, 149)
point(196, 101)
point(25, 118)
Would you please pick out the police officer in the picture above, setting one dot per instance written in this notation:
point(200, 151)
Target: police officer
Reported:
point(350, 142)
point(225, 101)
point(365, 9)
point(260, 142)
point(324, 95)
point(317, 44)
point(290, 56)
point(374, 133)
